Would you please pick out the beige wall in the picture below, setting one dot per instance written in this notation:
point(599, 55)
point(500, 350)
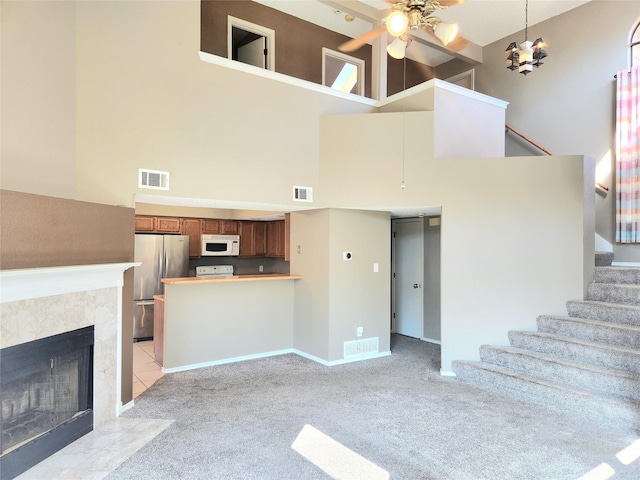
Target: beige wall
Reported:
point(358, 296)
point(336, 296)
point(145, 99)
point(38, 95)
point(309, 258)
point(568, 104)
point(210, 322)
point(517, 233)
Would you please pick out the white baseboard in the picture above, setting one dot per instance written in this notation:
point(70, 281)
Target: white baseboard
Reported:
point(625, 264)
point(333, 363)
point(447, 373)
point(226, 360)
point(326, 363)
point(431, 340)
point(124, 408)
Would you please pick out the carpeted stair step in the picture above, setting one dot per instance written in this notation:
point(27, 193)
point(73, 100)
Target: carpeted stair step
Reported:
point(607, 409)
point(610, 356)
point(604, 258)
point(604, 311)
point(614, 293)
point(624, 275)
point(546, 367)
point(592, 330)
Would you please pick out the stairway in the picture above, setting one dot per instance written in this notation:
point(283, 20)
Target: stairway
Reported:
point(587, 363)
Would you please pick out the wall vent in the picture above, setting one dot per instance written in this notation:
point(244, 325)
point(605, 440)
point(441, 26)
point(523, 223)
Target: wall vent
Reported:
point(153, 179)
point(359, 348)
point(303, 194)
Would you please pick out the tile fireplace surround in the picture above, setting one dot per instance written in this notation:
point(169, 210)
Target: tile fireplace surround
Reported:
point(36, 303)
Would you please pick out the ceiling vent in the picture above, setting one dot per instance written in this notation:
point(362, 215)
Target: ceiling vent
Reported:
point(302, 194)
point(153, 179)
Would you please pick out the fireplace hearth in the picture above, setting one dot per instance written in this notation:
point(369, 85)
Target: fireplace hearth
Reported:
point(46, 393)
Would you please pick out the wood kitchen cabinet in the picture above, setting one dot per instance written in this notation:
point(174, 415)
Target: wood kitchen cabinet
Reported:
point(193, 228)
point(229, 227)
point(167, 225)
point(210, 227)
point(253, 239)
point(275, 238)
point(221, 227)
point(146, 224)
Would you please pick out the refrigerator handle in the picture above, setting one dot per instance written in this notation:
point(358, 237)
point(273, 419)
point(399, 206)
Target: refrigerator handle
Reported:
point(144, 302)
point(165, 272)
point(160, 271)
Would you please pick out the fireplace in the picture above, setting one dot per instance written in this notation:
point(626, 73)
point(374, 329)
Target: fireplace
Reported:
point(46, 397)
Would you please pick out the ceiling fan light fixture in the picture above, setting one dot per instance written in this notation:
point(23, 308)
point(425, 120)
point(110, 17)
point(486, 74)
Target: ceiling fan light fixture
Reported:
point(397, 48)
point(397, 23)
point(446, 32)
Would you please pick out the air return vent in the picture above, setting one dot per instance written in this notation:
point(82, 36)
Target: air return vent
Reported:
point(153, 179)
point(303, 194)
point(360, 348)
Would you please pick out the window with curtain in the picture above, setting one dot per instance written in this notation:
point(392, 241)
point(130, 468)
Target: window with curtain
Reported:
point(628, 144)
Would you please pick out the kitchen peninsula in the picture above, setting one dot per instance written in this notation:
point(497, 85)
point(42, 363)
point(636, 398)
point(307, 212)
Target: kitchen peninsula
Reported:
point(209, 321)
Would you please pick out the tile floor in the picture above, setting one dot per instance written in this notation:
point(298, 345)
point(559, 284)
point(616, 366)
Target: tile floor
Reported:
point(96, 454)
point(145, 369)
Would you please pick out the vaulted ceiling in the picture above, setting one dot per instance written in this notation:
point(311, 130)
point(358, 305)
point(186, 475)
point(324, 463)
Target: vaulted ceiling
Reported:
point(480, 21)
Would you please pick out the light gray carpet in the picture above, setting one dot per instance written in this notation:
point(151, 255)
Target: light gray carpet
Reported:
point(238, 421)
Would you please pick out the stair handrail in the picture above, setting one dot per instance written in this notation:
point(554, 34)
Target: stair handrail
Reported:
point(532, 142)
point(548, 152)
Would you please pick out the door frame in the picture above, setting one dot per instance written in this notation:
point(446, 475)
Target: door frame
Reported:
point(269, 34)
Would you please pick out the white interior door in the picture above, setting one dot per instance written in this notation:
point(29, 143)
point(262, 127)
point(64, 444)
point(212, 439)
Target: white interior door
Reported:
point(409, 273)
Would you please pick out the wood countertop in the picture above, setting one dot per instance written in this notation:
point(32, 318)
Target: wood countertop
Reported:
point(159, 297)
point(236, 278)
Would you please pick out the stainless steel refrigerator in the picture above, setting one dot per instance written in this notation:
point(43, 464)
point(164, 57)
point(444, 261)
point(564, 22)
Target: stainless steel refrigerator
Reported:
point(162, 256)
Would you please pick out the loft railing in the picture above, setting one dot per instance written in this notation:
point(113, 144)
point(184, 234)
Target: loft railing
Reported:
point(599, 186)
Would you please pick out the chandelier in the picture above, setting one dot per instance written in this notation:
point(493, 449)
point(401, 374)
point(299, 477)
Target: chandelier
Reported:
point(528, 55)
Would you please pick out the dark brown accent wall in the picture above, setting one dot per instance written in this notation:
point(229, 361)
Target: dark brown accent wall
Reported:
point(38, 231)
point(416, 73)
point(298, 43)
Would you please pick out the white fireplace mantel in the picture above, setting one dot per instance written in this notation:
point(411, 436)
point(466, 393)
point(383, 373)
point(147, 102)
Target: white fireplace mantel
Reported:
point(40, 302)
point(28, 283)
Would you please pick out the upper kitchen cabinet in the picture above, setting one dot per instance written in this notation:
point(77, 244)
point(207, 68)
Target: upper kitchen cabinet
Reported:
point(275, 238)
point(222, 227)
point(253, 239)
point(193, 228)
point(167, 225)
point(146, 224)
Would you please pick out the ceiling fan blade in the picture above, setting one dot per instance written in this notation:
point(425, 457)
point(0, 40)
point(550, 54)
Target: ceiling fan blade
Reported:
point(454, 45)
point(356, 43)
point(450, 3)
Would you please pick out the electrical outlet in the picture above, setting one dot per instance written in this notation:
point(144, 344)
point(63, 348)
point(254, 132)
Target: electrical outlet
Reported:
point(261, 268)
point(360, 331)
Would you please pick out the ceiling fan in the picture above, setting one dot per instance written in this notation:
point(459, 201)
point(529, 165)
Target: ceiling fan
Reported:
point(412, 15)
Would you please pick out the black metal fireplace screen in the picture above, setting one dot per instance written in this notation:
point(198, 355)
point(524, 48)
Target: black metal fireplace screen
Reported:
point(46, 392)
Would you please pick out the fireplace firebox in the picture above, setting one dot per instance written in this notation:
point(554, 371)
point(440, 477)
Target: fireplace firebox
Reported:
point(46, 393)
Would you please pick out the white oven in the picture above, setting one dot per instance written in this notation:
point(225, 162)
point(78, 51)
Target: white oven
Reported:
point(220, 245)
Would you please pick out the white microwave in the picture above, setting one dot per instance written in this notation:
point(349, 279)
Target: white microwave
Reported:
point(220, 245)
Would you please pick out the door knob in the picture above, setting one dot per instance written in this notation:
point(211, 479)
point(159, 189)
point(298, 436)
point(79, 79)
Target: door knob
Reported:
point(416, 285)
